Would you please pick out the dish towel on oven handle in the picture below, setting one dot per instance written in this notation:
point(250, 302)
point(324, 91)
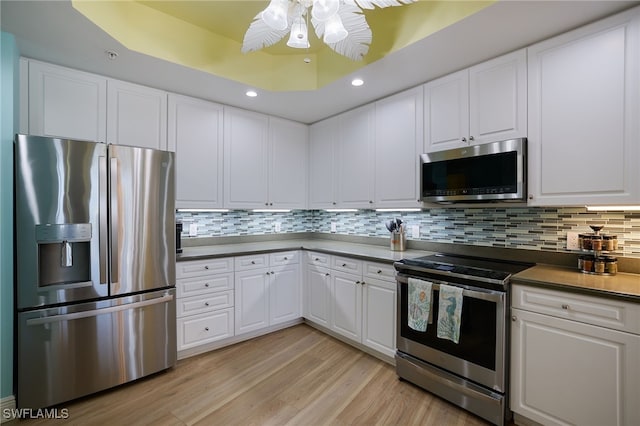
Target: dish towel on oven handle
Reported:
point(419, 301)
point(449, 312)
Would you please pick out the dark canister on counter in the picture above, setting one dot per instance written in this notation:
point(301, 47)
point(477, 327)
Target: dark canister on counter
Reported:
point(584, 241)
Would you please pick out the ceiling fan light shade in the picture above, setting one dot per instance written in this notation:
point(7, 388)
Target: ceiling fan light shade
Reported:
point(299, 36)
point(334, 30)
point(324, 9)
point(275, 15)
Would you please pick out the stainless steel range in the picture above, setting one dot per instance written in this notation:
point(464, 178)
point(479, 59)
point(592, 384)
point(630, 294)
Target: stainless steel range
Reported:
point(471, 373)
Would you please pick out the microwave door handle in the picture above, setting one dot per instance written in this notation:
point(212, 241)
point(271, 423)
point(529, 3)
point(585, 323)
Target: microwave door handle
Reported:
point(114, 220)
point(103, 238)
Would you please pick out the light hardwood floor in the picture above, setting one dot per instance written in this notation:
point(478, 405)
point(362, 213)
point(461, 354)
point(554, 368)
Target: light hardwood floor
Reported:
point(296, 376)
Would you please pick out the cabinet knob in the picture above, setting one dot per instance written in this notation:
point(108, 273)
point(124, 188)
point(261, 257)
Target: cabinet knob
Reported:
point(206, 329)
point(531, 196)
point(316, 259)
point(334, 203)
point(206, 266)
point(286, 258)
point(267, 272)
point(270, 204)
point(253, 262)
point(565, 307)
point(358, 282)
point(464, 139)
point(379, 271)
point(344, 265)
point(266, 204)
point(206, 284)
point(327, 274)
point(370, 201)
point(362, 283)
point(514, 318)
point(206, 303)
point(471, 138)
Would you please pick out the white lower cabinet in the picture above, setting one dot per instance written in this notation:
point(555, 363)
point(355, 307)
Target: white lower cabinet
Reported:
point(353, 298)
point(575, 359)
point(266, 295)
point(204, 302)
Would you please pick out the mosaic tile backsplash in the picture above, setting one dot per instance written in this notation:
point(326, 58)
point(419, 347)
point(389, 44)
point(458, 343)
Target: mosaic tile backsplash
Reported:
point(513, 227)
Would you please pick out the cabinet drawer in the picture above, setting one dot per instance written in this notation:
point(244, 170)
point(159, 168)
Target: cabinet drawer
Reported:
point(284, 258)
point(204, 303)
point(604, 312)
point(319, 259)
point(202, 285)
point(254, 261)
point(194, 268)
point(347, 265)
point(379, 271)
point(196, 330)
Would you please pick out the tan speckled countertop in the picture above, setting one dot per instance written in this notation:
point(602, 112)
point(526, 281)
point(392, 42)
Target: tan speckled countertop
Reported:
point(371, 252)
point(621, 285)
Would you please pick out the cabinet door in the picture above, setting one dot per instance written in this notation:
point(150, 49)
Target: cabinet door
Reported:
point(245, 159)
point(284, 294)
point(566, 372)
point(66, 103)
point(195, 134)
point(318, 295)
point(252, 300)
point(346, 305)
point(379, 316)
point(322, 176)
point(584, 103)
point(288, 143)
point(498, 99)
point(446, 112)
point(398, 144)
point(136, 115)
point(355, 158)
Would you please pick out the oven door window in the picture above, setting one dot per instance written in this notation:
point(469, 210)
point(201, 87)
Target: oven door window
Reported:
point(477, 331)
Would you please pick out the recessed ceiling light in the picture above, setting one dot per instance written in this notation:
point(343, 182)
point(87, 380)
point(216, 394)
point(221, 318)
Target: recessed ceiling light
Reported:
point(357, 82)
point(252, 93)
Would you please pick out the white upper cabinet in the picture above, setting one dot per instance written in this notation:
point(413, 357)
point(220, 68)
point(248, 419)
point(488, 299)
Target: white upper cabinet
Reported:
point(323, 140)
point(498, 99)
point(446, 112)
point(136, 115)
point(288, 153)
point(584, 104)
point(355, 160)
point(246, 137)
point(398, 144)
point(265, 161)
point(64, 103)
point(481, 104)
point(195, 134)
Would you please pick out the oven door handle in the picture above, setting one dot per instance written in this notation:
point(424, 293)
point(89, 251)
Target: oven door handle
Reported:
point(480, 293)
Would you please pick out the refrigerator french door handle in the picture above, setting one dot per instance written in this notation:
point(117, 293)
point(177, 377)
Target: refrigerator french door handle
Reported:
point(94, 312)
point(103, 237)
point(114, 220)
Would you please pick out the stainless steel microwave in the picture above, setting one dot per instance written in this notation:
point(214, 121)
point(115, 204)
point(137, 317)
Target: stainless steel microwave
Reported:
point(478, 173)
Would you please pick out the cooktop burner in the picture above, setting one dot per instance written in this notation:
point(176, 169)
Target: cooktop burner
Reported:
point(489, 270)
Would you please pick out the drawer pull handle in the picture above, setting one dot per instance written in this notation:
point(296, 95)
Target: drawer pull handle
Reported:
point(344, 265)
point(358, 282)
point(565, 307)
point(286, 258)
point(206, 329)
point(206, 303)
point(253, 262)
point(206, 266)
point(379, 271)
point(206, 284)
point(327, 274)
point(316, 259)
point(362, 283)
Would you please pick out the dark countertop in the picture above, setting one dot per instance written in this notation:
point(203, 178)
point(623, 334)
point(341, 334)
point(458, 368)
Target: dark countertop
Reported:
point(623, 285)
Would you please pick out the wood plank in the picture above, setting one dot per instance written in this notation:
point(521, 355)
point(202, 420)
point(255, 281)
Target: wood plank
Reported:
point(296, 376)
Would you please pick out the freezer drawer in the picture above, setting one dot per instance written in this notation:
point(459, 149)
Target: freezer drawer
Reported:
point(68, 352)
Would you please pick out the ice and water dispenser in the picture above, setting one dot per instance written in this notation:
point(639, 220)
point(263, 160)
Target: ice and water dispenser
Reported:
point(64, 254)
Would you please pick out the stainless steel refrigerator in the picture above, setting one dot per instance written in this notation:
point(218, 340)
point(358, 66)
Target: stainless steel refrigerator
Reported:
point(95, 267)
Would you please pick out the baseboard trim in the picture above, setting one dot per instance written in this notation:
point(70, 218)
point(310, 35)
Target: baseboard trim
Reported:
point(7, 408)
